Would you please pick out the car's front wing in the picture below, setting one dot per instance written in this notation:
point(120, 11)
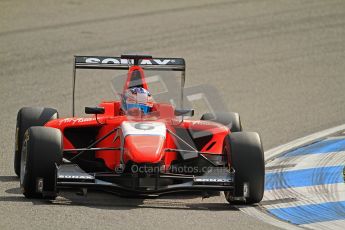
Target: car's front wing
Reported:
point(71, 176)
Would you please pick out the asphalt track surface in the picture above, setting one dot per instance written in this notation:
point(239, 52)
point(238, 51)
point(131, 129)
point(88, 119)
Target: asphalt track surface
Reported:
point(280, 64)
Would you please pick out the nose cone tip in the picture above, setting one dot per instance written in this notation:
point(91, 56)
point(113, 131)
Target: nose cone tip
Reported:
point(144, 149)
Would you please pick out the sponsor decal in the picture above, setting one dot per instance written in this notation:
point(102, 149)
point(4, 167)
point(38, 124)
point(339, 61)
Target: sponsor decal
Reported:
point(76, 177)
point(93, 60)
point(207, 123)
point(75, 120)
point(203, 122)
point(220, 180)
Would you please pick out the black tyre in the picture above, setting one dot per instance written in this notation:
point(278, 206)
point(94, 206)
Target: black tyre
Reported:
point(27, 117)
point(42, 151)
point(247, 158)
point(232, 120)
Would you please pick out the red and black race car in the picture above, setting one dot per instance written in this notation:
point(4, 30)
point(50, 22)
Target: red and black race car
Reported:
point(136, 146)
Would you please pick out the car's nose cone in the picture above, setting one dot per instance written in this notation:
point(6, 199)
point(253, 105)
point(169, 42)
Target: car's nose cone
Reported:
point(144, 149)
point(144, 141)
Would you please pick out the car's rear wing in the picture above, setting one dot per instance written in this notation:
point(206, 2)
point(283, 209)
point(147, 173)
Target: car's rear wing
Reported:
point(124, 62)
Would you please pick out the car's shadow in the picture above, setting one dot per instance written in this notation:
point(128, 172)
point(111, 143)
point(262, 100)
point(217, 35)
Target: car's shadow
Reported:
point(102, 200)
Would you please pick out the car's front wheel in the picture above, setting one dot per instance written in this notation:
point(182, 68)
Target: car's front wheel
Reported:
point(42, 151)
point(247, 158)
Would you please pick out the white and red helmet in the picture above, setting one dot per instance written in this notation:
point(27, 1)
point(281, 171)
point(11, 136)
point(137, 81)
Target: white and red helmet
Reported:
point(137, 97)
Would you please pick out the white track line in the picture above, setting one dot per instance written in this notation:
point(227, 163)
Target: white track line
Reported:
point(308, 161)
point(305, 195)
point(271, 154)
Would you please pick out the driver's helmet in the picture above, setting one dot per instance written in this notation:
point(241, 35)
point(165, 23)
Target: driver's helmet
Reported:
point(137, 97)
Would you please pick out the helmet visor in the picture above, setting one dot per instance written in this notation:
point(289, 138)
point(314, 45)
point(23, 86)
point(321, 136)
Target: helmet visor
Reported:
point(144, 108)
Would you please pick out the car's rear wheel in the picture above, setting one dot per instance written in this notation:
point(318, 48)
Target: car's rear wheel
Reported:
point(42, 151)
point(26, 118)
point(247, 158)
point(231, 120)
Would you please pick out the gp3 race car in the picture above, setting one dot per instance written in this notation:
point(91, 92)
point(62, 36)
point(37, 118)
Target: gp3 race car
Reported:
point(136, 146)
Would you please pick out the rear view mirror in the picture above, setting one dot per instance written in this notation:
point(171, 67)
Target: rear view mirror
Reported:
point(94, 110)
point(184, 112)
